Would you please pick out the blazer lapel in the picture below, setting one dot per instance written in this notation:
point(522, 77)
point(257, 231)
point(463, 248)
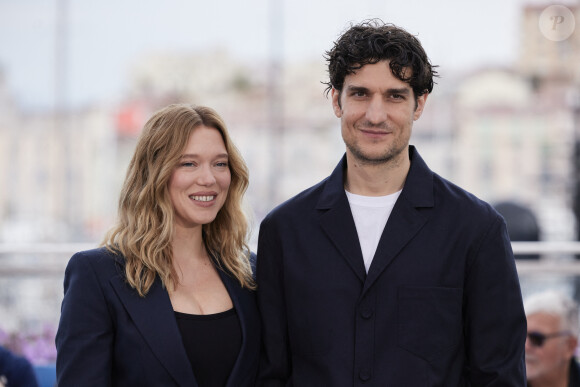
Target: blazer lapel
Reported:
point(403, 224)
point(154, 318)
point(338, 223)
point(406, 219)
point(234, 292)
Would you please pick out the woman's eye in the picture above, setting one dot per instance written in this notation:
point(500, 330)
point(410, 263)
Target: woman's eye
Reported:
point(187, 164)
point(222, 164)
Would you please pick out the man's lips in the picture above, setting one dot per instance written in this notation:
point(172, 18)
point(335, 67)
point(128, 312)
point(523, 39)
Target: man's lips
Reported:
point(373, 129)
point(375, 132)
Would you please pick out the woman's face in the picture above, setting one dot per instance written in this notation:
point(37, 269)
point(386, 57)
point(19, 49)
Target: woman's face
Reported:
point(199, 184)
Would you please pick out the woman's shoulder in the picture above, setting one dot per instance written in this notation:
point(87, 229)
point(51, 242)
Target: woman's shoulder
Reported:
point(101, 260)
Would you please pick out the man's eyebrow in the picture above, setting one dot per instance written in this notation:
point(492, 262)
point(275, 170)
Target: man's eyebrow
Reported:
point(356, 88)
point(396, 90)
point(402, 90)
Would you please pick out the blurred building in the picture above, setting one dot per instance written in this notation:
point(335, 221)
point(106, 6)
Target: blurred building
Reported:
point(515, 143)
point(57, 179)
point(8, 121)
point(542, 59)
point(286, 150)
point(56, 169)
point(513, 129)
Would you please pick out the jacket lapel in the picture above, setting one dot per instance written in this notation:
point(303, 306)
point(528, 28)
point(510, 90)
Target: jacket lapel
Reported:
point(406, 219)
point(402, 226)
point(338, 223)
point(154, 318)
point(233, 290)
point(404, 223)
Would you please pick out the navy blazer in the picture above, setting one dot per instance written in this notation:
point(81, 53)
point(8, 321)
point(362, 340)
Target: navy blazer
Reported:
point(110, 336)
point(440, 306)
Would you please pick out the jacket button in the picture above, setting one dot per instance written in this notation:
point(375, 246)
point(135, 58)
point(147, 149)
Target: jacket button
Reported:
point(365, 374)
point(366, 313)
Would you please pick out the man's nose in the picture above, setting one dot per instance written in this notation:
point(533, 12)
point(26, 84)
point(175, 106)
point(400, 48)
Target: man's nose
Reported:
point(377, 111)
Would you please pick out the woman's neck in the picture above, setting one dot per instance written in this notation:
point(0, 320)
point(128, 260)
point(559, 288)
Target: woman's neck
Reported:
point(188, 248)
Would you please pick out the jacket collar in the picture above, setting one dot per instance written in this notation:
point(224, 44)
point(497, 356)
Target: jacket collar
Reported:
point(404, 223)
point(417, 190)
point(154, 317)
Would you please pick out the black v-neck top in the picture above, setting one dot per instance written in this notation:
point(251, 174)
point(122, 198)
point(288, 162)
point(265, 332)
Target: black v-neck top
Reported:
point(212, 343)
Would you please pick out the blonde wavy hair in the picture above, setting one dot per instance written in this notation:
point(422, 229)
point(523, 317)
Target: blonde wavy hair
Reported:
point(144, 228)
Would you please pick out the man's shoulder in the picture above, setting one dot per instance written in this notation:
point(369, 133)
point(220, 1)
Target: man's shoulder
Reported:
point(303, 201)
point(426, 187)
point(14, 366)
point(461, 200)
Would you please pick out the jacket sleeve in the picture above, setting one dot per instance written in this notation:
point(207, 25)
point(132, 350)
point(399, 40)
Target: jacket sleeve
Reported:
point(495, 322)
point(84, 339)
point(275, 364)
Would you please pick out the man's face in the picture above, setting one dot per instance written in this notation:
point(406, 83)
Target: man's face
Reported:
point(376, 111)
point(544, 363)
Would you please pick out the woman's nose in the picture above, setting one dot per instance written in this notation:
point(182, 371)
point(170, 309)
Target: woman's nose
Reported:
point(206, 176)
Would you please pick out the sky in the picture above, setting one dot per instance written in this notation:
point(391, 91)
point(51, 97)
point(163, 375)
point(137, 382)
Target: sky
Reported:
point(104, 38)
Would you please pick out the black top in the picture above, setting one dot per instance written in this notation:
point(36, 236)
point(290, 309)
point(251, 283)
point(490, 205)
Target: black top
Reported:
point(212, 343)
point(574, 373)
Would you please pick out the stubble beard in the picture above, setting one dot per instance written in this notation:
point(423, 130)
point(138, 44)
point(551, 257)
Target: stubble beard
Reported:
point(391, 153)
point(389, 156)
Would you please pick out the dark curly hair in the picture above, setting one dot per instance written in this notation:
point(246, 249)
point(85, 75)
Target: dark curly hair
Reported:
point(372, 41)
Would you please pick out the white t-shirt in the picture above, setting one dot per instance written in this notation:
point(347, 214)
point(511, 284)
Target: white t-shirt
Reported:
point(370, 215)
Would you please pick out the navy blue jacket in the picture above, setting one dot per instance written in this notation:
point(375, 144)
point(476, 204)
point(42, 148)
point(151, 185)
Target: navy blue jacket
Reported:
point(440, 306)
point(16, 371)
point(574, 376)
point(109, 336)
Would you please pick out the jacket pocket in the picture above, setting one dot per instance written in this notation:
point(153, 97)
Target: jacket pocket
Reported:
point(429, 320)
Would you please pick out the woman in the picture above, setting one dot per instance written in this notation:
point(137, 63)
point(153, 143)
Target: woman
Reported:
point(168, 300)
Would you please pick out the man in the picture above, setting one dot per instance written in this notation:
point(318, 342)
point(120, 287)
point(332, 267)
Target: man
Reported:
point(15, 370)
point(385, 274)
point(552, 340)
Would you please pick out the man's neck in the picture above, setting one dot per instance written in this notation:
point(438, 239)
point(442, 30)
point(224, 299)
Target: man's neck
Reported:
point(555, 379)
point(376, 179)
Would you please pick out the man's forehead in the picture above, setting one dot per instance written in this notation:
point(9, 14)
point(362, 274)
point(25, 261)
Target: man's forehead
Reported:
point(398, 85)
point(543, 318)
point(385, 69)
point(406, 71)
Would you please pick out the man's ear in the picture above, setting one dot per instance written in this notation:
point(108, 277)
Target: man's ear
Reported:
point(335, 94)
point(421, 100)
